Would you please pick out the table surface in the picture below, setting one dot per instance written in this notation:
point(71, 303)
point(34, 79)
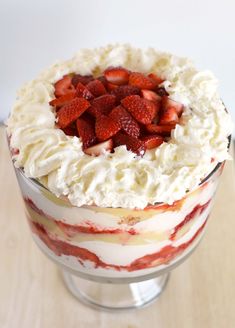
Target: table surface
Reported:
point(200, 293)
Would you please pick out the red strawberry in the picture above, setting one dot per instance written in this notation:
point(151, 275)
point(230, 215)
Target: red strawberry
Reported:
point(102, 105)
point(155, 78)
point(126, 121)
point(99, 148)
point(117, 75)
point(125, 90)
point(111, 86)
point(141, 81)
point(64, 86)
point(62, 100)
point(133, 144)
point(141, 109)
point(84, 79)
point(71, 111)
point(169, 116)
point(70, 131)
point(152, 141)
point(96, 88)
point(82, 91)
point(86, 131)
point(106, 127)
point(102, 79)
point(150, 95)
point(169, 103)
point(164, 130)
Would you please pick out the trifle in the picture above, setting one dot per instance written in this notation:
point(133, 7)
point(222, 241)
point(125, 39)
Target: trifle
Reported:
point(118, 152)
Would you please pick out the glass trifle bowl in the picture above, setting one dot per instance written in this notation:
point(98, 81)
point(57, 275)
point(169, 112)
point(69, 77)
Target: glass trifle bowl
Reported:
point(118, 153)
point(116, 258)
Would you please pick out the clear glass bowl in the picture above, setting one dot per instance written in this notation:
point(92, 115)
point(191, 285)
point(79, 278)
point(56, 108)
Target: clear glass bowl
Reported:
point(115, 258)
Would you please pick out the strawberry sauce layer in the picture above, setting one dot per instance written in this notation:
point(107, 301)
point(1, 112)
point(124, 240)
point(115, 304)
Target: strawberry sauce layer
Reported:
point(90, 228)
point(119, 107)
point(63, 247)
point(167, 253)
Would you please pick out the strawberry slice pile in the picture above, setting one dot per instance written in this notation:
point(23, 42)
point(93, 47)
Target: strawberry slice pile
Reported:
point(117, 108)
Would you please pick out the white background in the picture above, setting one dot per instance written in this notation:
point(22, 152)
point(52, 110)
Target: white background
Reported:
point(33, 34)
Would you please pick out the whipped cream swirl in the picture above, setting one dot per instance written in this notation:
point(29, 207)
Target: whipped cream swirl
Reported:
point(122, 179)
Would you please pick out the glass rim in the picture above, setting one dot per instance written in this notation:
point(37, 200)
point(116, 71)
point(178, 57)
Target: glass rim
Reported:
point(39, 185)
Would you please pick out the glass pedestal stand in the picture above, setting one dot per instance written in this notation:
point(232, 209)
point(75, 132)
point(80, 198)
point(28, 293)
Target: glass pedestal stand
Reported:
point(115, 297)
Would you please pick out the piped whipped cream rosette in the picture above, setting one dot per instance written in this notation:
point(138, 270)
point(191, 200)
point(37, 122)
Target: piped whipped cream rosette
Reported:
point(120, 127)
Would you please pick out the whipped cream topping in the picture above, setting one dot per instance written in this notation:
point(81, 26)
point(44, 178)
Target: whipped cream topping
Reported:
point(122, 179)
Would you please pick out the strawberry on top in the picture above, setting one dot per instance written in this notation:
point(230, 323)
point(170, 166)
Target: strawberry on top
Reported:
point(117, 108)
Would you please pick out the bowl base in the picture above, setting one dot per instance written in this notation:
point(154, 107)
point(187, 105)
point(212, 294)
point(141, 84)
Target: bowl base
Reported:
point(115, 297)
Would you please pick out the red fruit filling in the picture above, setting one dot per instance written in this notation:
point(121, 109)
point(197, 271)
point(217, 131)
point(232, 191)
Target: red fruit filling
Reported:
point(117, 108)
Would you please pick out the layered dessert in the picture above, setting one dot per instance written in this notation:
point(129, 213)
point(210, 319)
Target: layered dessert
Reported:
point(118, 153)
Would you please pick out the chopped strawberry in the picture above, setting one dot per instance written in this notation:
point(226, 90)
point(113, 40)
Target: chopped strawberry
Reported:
point(150, 95)
point(102, 79)
point(82, 91)
point(117, 75)
point(102, 105)
point(155, 78)
point(141, 81)
point(164, 130)
point(71, 111)
point(127, 122)
point(169, 103)
point(106, 127)
point(70, 131)
point(96, 87)
point(169, 116)
point(125, 90)
point(115, 108)
point(133, 144)
point(84, 79)
point(111, 86)
point(141, 109)
point(152, 141)
point(64, 86)
point(99, 148)
point(86, 131)
point(62, 100)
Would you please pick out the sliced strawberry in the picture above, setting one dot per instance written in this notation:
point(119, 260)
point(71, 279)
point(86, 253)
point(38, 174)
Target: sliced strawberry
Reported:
point(70, 131)
point(86, 131)
point(125, 90)
point(102, 79)
point(102, 105)
point(152, 141)
point(150, 95)
point(111, 86)
point(169, 103)
point(106, 127)
point(117, 75)
point(164, 130)
point(82, 91)
point(169, 116)
point(96, 87)
point(155, 78)
point(64, 86)
point(84, 79)
point(141, 81)
point(99, 148)
point(141, 109)
point(127, 122)
point(62, 100)
point(133, 144)
point(71, 111)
